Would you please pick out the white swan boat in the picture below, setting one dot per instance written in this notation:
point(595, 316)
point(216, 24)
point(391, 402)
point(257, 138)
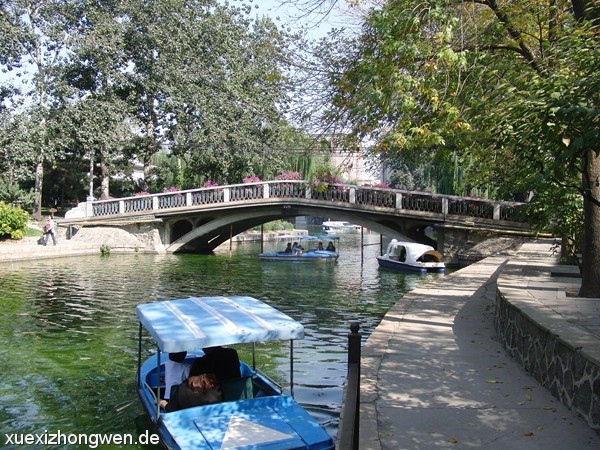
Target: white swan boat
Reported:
point(413, 257)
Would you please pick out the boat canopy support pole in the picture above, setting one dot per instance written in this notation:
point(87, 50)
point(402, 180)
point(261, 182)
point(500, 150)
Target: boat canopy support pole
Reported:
point(157, 383)
point(138, 378)
point(292, 368)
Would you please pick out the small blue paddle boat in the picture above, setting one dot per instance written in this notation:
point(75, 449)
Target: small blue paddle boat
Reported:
point(310, 248)
point(254, 413)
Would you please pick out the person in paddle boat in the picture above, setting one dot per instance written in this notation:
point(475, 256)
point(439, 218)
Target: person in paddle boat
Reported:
point(320, 246)
point(176, 372)
point(224, 362)
point(330, 247)
point(288, 248)
point(197, 390)
point(295, 247)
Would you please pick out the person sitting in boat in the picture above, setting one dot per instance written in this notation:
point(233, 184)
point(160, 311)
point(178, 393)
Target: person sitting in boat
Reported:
point(295, 248)
point(330, 247)
point(299, 250)
point(320, 246)
point(176, 371)
point(197, 390)
point(288, 248)
point(222, 361)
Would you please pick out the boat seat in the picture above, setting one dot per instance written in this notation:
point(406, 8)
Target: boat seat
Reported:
point(155, 381)
point(237, 389)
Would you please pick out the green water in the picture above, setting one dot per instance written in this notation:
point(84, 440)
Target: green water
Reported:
point(68, 332)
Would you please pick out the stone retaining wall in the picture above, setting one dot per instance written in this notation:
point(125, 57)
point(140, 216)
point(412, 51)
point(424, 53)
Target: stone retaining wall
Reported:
point(570, 373)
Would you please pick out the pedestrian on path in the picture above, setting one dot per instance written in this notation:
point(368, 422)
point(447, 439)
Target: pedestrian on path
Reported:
point(49, 230)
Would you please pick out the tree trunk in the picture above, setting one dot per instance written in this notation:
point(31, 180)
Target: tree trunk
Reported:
point(104, 181)
point(37, 190)
point(590, 274)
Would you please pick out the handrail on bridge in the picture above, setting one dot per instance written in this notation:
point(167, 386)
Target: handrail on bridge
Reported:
point(397, 199)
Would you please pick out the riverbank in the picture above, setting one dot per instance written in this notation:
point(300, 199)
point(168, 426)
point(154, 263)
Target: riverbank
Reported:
point(92, 241)
point(449, 367)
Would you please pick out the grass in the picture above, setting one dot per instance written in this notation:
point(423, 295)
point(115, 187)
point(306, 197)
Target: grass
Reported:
point(32, 232)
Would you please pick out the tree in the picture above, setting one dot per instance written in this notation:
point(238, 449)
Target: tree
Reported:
point(229, 110)
point(17, 159)
point(35, 36)
point(94, 119)
point(201, 80)
point(511, 86)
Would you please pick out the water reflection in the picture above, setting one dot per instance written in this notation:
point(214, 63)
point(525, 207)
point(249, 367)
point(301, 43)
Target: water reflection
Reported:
point(68, 331)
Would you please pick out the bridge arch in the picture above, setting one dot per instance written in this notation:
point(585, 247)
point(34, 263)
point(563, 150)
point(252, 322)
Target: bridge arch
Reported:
point(180, 228)
point(216, 229)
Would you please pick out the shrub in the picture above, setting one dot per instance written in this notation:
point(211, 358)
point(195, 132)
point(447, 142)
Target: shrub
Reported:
point(289, 176)
point(319, 186)
point(12, 193)
point(13, 221)
point(251, 179)
point(381, 186)
point(277, 225)
point(210, 184)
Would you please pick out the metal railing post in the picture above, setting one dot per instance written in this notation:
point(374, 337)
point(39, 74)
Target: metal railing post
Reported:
point(348, 431)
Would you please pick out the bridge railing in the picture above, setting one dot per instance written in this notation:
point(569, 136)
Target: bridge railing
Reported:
point(288, 189)
point(351, 194)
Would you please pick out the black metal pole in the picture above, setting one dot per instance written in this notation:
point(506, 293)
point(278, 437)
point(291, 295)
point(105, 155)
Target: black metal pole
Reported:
point(348, 432)
point(362, 245)
point(261, 237)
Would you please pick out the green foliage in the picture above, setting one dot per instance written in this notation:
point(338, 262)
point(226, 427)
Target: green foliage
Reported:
point(34, 38)
point(120, 81)
point(17, 150)
point(563, 219)
point(213, 78)
point(13, 221)
point(169, 170)
point(105, 250)
point(510, 89)
point(277, 225)
point(12, 193)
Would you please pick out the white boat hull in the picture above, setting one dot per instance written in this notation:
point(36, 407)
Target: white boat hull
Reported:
point(412, 257)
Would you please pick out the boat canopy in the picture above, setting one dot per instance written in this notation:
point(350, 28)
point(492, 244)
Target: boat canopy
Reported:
point(308, 237)
point(412, 251)
point(199, 322)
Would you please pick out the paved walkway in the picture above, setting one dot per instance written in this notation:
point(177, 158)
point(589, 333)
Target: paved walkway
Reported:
point(434, 375)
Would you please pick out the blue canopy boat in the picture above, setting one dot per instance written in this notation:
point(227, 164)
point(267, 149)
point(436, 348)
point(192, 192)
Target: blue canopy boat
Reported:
point(309, 249)
point(254, 413)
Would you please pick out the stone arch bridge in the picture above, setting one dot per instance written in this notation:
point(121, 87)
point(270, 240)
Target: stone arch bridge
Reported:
point(198, 220)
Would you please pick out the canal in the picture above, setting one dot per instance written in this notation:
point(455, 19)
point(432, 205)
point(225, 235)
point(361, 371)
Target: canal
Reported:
point(68, 331)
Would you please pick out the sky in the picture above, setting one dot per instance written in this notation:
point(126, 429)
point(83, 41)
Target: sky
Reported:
point(290, 12)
